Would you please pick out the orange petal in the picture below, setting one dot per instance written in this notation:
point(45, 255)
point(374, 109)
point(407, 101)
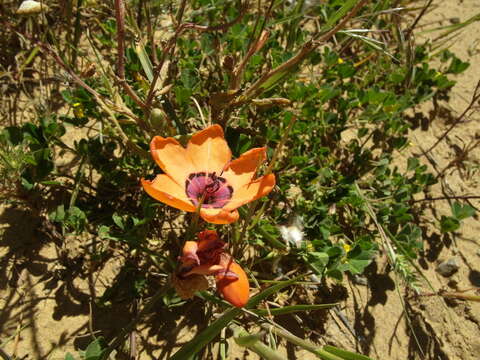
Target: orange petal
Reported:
point(208, 235)
point(164, 189)
point(208, 240)
point(251, 191)
point(208, 150)
point(236, 291)
point(241, 171)
point(206, 269)
point(190, 247)
point(189, 254)
point(172, 158)
point(219, 216)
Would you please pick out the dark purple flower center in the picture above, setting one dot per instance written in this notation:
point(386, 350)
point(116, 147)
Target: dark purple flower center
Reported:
point(213, 189)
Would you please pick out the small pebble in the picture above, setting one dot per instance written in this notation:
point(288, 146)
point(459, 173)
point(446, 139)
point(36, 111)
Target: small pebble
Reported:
point(448, 267)
point(29, 7)
point(360, 280)
point(452, 283)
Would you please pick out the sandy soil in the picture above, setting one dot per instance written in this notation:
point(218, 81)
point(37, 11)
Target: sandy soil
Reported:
point(45, 309)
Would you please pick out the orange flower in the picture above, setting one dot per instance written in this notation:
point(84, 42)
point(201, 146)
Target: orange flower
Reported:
point(203, 173)
point(207, 256)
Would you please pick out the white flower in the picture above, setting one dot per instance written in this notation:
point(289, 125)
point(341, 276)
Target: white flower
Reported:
point(292, 234)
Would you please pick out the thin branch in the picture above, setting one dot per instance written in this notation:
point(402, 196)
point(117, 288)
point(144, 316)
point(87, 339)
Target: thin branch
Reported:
point(120, 19)
point(169, 47)
point(180, 12)
point(415, 23)
point(123, 83)
point(131, 325)
point(165, 51)
point(150, 32)
point(455, 197)
point(475, 98)
point(255, 47)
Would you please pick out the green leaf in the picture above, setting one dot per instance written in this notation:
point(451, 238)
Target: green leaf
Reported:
point(104, 233)
point(357, 266)
point(412, 163)
point(69, 356)
point(27, 184)
point(118, 221)
point(317, 261)
point(457, 66)
point(94, 350)
point(449, 224)
point(462, 212)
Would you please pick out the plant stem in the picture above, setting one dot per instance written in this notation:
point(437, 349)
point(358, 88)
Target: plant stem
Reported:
point(127, 329)
point(77, 33)
point(120, 19)
point(296, 340)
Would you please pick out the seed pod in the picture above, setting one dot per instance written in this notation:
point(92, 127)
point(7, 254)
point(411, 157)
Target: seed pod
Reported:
point(267, 103)
point(157, 118)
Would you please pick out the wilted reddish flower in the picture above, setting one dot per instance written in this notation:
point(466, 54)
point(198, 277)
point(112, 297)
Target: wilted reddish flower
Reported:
point(203, 174)
point(207, 256)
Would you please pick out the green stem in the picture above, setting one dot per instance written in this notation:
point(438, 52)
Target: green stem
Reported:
point(193, 225)
point(78, 178)
point(77, 33)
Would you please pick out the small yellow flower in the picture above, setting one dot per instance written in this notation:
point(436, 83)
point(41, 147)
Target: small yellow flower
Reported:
point(340, 61)
point(347, 248)
point(78, 110)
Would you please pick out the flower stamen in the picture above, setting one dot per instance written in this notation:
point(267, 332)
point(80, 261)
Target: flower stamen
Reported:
point(212, 189)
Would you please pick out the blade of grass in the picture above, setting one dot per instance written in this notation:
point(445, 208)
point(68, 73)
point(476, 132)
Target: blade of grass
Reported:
point(344, 354)
point(325, 352)
point(252, 342)
point(292, 309)
point(144, 60)
point(453, 28)
point(207, 335)
point(339, 14)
